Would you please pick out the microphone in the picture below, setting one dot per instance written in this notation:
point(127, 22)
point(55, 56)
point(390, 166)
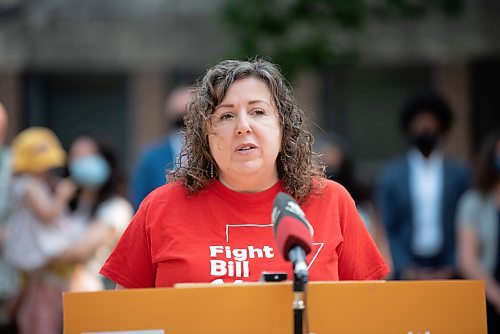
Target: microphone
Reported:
point(293, 233)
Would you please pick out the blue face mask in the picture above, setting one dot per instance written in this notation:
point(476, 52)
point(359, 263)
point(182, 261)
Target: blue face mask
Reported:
point(90, 172)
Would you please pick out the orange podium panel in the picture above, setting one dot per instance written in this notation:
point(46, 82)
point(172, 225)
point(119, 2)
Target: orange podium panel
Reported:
point(403, 307)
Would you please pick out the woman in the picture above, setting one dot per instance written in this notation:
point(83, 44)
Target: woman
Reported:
point(245, 141)
point(478, 229)
point(99, 208)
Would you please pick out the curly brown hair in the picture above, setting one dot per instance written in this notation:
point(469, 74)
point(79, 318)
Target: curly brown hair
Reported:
point(297, 164)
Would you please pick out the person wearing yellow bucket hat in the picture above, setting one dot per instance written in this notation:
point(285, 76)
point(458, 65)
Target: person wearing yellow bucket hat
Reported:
point(37, 150)
point(38, 227)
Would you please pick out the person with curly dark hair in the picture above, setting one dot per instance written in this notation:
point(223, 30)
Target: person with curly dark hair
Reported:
point(245, 142)
point(418, 192)
point(478, 220)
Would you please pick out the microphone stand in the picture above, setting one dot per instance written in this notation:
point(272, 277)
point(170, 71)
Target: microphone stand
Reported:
point(300, 277)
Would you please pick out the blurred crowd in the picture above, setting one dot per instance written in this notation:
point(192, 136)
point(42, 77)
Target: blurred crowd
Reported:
point(432, 217)
point(62, 211)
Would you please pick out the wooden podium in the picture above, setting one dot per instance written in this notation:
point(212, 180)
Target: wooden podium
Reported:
point(403, 307)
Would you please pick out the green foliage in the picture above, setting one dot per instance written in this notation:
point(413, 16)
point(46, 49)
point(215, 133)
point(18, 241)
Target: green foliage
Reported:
point(297, 34)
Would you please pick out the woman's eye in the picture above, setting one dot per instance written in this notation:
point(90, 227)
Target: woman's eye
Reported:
point(224, 117)
point(259, 112)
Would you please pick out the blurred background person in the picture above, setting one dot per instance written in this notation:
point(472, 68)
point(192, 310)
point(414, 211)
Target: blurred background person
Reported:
point(419, 191)
point(340, 167)
point(478, 220)
point(5, 168)
point(99, 207)
point(156, 160)
point(38, 228)
point(9, 278)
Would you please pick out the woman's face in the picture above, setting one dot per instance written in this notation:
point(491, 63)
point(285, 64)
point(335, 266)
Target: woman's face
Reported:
point(245, 136)
point(82, 147)
point(88, 168)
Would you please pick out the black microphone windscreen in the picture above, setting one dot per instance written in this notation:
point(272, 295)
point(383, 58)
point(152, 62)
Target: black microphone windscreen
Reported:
point(285, 205)
point(290, 225)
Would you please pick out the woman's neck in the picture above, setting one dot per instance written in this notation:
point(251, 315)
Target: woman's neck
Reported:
point(250, 184)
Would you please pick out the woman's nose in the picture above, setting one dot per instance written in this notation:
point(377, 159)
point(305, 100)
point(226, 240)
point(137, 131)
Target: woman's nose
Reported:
point(243, 125)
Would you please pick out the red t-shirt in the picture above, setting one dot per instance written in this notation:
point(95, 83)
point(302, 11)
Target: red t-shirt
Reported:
point(224, 236)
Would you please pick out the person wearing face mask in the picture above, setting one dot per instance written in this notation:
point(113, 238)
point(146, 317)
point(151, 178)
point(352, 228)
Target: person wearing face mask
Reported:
point(417, 194)
point(478, 220)
point(99, 208)
point(160, 157)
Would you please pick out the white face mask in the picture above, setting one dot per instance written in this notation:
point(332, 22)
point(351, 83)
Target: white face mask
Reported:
point(91, 171)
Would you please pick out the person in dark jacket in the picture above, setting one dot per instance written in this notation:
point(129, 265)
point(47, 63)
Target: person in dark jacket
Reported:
point(417, 193)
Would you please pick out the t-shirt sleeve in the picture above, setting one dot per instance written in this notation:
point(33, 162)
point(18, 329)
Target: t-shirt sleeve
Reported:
point(359, 257)
point(130, 263)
